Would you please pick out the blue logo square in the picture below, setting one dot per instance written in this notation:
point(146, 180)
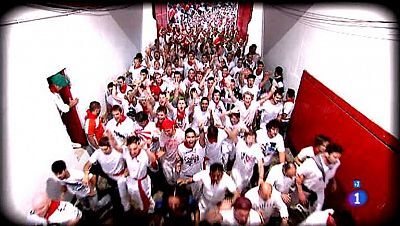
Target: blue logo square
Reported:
point(356, 183)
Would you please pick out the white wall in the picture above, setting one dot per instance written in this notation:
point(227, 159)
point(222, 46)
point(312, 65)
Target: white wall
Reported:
point(255, 28)
point(149, 24)
point(358, 63)
point(94, 47)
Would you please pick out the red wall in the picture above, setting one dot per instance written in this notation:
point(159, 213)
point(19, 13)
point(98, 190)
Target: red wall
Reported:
point(370, 153)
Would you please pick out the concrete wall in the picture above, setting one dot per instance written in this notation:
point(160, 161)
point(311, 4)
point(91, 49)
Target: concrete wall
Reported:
point(357, 61)
point(95, 47)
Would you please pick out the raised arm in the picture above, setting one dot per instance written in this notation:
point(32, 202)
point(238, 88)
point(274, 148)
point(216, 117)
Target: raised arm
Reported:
point(202, 137)
point(267, 95)
point(113, 142)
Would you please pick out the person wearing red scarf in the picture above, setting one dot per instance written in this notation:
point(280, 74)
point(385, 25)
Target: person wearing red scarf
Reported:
point(122, 87)
point(93, 124)
point(121, 126)
point(46, 211)
point(138, 158)
point(181, 114)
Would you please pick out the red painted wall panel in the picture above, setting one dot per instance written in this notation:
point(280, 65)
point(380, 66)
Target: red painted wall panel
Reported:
point(370, 153)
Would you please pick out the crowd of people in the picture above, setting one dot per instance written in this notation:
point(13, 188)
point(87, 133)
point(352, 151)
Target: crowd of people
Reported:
point(194, 133)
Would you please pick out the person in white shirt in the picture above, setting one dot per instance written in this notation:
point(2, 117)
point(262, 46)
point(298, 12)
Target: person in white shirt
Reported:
point(138, 158)
point(265, 200)
point(320, 218)
point(121, 126)
point(248, 106)
point(85, 190)
point(314, 175)
point(228, 147)
point(215, 182)
point(320, 143)
point(216, 106)
point(146, 130)
point(248, 153)
point(170, 138)
point(237, 69)
point(282, 177)
point(112, 164)
point(201, 114)
point(240, 213)
point(288, 106)
point(136, 69)
point(215, 138)
point(271, 108)
point(271, 142)
point(251, 86)
point(192, 156)
point(46, 211)
point(56, 83)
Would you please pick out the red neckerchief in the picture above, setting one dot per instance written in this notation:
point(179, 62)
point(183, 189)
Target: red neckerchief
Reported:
point(90, 115)
point(258, 72)
point(130, 101)
point(158, 124)
point(290, 100)
point(223, 84)
point(121, 120)
point(187, 145)
point(123, 88)
point(53, 88)
point(191, 80)
point(330, 221)
point(180, 114)
point(136, 67)
point(143, 195)
point(316, 151)
point(190, 63)
point(52, 208)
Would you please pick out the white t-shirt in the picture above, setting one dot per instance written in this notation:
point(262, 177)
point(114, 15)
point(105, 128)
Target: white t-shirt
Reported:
point(130, 107)
point(120, 130)
point(148, 132)
point(193, 159)
point(306, 152)
point(269, 111)
point(64, 213)
point(217, 109)
point(317, 218)
point(213, 151)
point(229, 219)
point(74, 183)
point(136, 73)
point(198, 115)
point(253, 90)
point(246, 158)
point(288, 109)
point(62, 107)
point(184, 123)
point(171, 144)
point(269, 146)
point(268, 207)
point(214, 193)
point(278, 180)
point(137, 166)
point(111, 164)
point(313, 178)
point(247, 112)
